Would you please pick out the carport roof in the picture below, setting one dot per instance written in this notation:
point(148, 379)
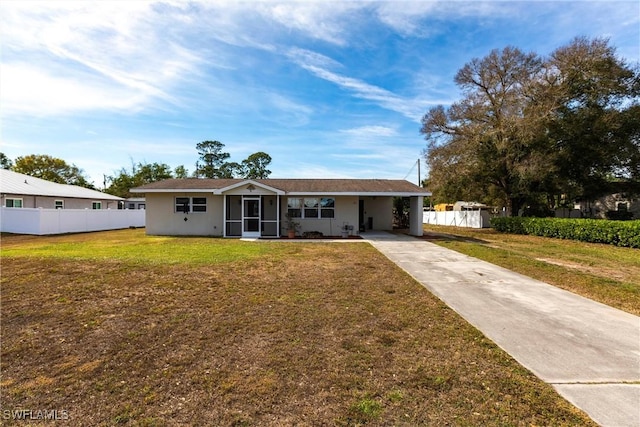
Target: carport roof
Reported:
point(381, 187)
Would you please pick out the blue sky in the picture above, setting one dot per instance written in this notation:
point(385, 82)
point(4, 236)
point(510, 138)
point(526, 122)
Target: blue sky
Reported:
point(332, 89)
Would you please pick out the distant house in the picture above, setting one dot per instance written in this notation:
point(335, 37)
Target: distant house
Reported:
point(135, 203)
point(258, 208)
point(23, 191)
point(617, 206)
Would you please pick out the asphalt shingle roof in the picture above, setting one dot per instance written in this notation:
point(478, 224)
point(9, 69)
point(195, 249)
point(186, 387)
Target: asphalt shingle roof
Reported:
point(328, 186)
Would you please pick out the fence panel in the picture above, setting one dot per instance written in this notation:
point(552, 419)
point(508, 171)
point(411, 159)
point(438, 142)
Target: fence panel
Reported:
point(471, 219)
point(57, 221)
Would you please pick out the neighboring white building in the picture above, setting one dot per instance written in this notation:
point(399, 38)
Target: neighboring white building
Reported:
point(257, 208)
point(23, 191)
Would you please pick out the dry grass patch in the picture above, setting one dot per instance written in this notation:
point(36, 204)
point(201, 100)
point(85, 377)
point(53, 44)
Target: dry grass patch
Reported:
point(604, 273)
point(300, 334)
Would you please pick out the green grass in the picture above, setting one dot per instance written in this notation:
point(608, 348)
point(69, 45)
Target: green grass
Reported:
point(119, 328)
point(129, 246)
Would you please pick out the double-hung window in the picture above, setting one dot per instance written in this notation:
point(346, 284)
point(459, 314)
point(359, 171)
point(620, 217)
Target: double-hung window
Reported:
point(311, 207)
point(327, 207)
point(191, 204)
point(59, 204)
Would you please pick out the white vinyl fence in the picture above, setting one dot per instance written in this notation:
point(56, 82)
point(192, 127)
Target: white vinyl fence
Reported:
point(471, 219)
point(57, 221)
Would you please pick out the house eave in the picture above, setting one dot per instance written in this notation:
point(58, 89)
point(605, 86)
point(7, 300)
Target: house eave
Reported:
point(358, 193)
point(249, 182)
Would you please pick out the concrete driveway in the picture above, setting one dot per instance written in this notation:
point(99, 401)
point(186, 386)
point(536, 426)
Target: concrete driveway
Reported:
point(589, 352)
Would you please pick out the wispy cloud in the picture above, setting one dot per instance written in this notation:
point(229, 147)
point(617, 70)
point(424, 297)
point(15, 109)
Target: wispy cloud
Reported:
point(410, 108)
point(96, 55)
point(372, 131)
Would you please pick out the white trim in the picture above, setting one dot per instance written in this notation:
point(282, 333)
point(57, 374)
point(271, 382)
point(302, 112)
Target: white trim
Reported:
point(357, 193)
point(14, 201)
point(247, 182)
point(252, 234)
point(176, 190)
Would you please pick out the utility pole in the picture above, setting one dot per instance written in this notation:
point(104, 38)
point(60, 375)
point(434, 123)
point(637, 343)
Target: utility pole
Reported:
point(419, 183)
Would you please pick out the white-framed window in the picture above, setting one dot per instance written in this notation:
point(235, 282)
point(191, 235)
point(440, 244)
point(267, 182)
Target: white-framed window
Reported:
point(327, 207)
point(191, 204)
point(199, 204)
point(13, 203)
point(96, 205)
point(58, 204)
point(311, 207)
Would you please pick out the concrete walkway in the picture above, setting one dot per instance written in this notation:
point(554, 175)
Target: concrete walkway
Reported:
point(589, 352)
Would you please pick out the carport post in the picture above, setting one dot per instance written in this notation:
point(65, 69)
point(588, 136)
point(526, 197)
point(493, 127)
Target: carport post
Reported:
point(415, 216)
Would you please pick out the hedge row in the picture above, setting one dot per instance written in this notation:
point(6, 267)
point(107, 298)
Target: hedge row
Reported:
point(619, 233)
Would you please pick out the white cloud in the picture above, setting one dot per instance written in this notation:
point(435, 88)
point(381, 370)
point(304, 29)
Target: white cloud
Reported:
point(371, 131)
point(410, 108)
point(88, 56)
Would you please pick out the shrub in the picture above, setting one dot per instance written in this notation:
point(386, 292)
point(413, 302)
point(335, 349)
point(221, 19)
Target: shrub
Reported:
point(616, 233)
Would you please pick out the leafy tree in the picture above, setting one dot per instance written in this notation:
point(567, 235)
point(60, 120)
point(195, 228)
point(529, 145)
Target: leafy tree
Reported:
point(529, 129)
point(255, 166)
point(213, 163)
point(212, 159)
point(485, 141)
point(5, 162)
point(140, 174)
point(231, 170)
point(595, 129)
point(180, 172)
point(52, 169)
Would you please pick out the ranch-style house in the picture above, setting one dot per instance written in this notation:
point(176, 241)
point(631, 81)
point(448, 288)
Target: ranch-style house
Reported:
point(259, 208)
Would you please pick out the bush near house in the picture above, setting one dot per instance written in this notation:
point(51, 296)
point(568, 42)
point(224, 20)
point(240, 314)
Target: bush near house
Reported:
point(616, 233)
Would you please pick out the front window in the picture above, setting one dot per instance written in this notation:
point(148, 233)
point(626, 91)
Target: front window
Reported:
point(327, 207)
point(294, 207)
point(59, 204)
point(311, 207)
point(96, 205)
point(13, 203)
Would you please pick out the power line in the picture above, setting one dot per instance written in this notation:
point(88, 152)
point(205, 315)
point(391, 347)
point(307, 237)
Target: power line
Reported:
point(413, 167)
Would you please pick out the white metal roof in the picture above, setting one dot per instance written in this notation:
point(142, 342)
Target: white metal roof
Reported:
point(17, 183)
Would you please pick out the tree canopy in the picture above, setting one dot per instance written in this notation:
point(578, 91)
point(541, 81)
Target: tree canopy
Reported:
point(529, 129)
point(52, 169)
point(213, 163)
point(142, 173)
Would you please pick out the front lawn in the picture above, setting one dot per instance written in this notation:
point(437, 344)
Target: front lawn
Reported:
point(117, 328)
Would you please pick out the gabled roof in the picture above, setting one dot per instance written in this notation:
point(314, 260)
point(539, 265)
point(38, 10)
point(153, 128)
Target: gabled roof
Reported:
point(20, 184)
point(380, 187)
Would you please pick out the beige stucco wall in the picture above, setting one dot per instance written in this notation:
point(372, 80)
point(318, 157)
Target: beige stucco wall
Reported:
point(47, 202)
point(346, 211)
point(162, 219)
point(381, 210)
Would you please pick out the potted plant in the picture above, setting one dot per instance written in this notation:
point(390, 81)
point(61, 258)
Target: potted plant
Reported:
point(292, 226)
